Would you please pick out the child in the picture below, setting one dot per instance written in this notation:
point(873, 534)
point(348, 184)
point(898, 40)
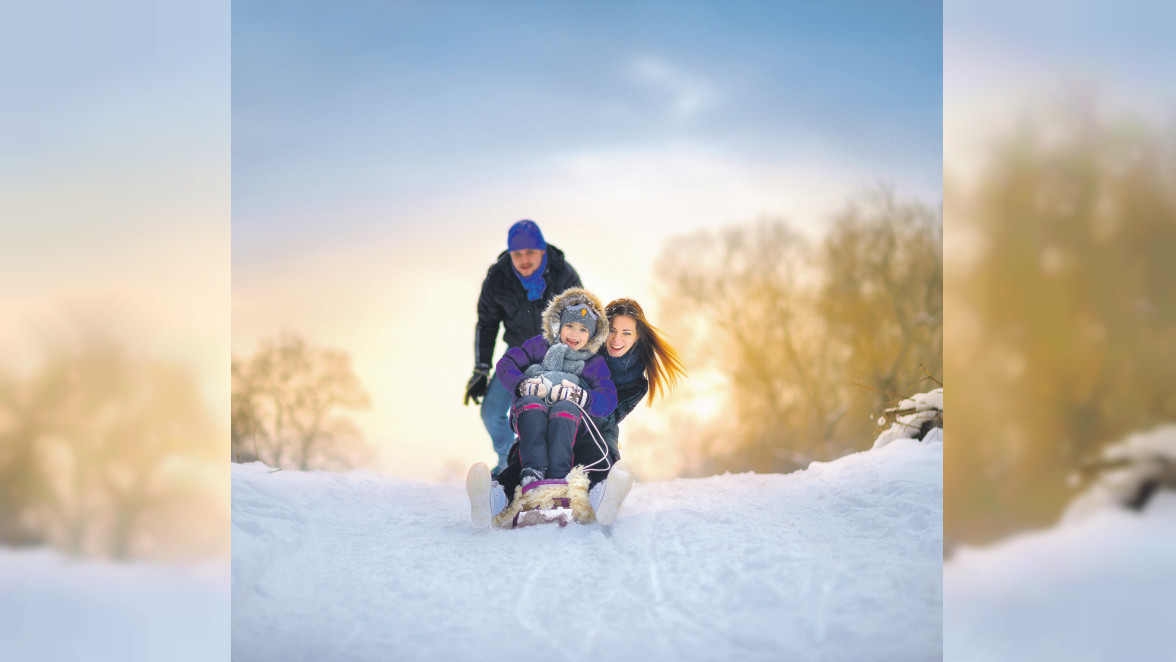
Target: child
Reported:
point(557, 377)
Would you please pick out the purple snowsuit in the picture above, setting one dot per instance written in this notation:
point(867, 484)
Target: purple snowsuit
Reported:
point(547, 433)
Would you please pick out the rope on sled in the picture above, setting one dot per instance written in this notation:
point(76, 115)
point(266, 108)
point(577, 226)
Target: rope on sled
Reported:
point(598, 439)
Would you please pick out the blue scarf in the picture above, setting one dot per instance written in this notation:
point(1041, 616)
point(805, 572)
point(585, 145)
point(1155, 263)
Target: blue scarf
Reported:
point(534, 284)
point(625, 369)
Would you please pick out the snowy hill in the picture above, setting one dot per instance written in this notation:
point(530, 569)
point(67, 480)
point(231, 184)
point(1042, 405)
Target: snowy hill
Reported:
point(56, 608)
point(841, 561)
point(1099, 589)
point(1097, 586)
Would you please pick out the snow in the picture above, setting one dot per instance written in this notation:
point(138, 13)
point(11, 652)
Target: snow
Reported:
point(923, 407)
point(1097, 589)
point(841, 561)
point(1146, 455)
point(54, 608)
point(1097, 586)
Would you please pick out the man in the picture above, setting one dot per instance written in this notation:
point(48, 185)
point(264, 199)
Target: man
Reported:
point(518, 286)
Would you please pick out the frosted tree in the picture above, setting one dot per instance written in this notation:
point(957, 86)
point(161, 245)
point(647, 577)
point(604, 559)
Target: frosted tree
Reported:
point(288, 406)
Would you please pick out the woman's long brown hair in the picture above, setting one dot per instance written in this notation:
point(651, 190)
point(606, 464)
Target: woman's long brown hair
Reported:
point(663, 367)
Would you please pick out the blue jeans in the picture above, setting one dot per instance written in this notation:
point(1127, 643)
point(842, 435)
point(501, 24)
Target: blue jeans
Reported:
point(496, 418)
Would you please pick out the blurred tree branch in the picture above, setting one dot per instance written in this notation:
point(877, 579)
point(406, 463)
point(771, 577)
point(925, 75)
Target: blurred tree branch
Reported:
point(794, 326)
point(1067, 290)
point(286, 406)
point(99, 443)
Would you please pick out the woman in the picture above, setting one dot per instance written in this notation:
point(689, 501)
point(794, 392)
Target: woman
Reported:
point(640, 361)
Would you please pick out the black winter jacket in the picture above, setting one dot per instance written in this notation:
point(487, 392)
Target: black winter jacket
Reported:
point(504, 301)
point(628, 395)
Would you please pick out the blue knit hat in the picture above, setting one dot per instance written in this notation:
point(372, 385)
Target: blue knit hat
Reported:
point(523, 235)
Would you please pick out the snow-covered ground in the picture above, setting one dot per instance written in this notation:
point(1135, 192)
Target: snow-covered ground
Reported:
point(837, 562)
point(841, 561)
point(53, 608)
point(1099, 589)
point(1100, 585)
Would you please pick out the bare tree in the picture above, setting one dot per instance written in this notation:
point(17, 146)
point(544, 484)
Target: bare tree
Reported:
point(101, 437)
point(793, 327)
point(1071, 314)
point(23, 483)
point(158, 428)
point(739, 301)
point(287, 404)
point(882, 295)
point(244, 423)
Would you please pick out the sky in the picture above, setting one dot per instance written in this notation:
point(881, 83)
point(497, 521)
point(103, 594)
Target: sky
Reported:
point(1005, 61)
point(114, 209)
point(114, 182)
point(1003, 58)
point(381, 150)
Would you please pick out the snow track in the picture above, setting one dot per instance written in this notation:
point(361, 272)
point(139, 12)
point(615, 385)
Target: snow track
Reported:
point(839, 562)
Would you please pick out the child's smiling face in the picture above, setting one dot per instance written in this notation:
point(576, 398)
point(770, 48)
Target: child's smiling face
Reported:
point(574, 335)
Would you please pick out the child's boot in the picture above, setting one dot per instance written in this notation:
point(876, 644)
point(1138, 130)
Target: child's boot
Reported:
point(529, 475)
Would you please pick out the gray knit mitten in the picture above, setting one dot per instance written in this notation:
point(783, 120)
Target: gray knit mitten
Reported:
point(533, 386)
point(569, 391)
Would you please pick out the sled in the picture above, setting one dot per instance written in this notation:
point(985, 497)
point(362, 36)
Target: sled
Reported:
point(545, 502)
point(560, 513)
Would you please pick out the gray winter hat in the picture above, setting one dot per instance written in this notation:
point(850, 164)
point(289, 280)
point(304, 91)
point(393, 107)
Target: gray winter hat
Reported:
point(581, 313)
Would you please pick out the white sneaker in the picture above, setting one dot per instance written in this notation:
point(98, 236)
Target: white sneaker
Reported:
point(478, 489)
point(616, 487)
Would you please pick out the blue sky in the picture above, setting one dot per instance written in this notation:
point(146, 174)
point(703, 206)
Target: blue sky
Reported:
point(1005, 60)
point(338, 104)
point(114, 180)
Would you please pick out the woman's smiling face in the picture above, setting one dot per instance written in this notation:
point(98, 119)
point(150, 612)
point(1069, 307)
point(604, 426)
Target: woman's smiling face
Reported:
point(622, 334)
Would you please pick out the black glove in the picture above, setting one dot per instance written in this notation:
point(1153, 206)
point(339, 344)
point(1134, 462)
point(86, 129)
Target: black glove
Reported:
point(477, 386)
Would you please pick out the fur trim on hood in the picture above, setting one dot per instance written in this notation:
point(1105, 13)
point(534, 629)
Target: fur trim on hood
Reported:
point(571, 297)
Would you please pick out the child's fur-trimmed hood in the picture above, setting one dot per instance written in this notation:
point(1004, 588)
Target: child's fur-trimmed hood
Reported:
point(571, 297)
